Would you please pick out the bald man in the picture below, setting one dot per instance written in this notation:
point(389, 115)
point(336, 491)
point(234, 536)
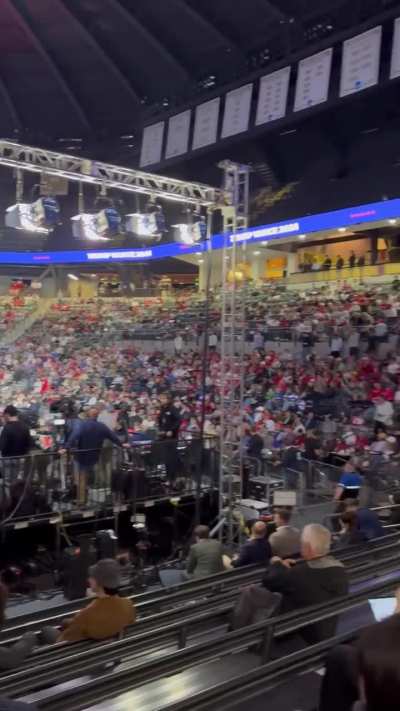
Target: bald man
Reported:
point(256, 551)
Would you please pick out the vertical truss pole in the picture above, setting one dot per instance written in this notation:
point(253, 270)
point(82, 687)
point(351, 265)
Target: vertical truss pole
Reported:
point(232, 344)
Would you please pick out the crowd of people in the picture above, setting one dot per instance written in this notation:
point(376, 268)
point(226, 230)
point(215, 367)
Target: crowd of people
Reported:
point(329, 393)
point(332, 388)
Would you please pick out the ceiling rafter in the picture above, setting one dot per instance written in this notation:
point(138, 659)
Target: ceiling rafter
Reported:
point(57, 74)
point(9, 102)
point(276, 11)
point(201, 19)
point(137, 25)
point(119, 75)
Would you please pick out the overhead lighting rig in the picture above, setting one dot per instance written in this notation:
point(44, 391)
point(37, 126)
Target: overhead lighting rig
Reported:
point(81, 170)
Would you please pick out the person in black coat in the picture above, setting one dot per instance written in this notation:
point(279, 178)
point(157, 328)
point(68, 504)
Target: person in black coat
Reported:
point(169, 422)
point(365, 673)
point(317, 578)
point(169, 419)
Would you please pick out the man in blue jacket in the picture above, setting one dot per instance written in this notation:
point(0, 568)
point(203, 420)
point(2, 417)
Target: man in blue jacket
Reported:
point(257, 550)
point(86, 443)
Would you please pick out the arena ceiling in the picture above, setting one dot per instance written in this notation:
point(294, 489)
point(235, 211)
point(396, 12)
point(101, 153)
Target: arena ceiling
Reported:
point(97, 69)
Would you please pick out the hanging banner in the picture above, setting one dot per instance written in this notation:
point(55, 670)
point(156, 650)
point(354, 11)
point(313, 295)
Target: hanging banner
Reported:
point(313, 77)
point(395, 62)
point(360, 61)
point(237, 111)
point(152, 144)
point(206, 124)
point(178, 134)
point(272, 96)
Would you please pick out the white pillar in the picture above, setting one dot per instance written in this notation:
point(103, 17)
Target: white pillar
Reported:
point(291, 264)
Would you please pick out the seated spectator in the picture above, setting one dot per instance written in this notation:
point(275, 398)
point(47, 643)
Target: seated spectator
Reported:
point(327, 263)
point(317, 578)
point(285, 541)
point(339, 262)
point(257, 550)
point(384, 412)
point(367, 673)
point(352, 259)
point(205, 557)
point(368, 521)
point(349, 484)
point(351, 534)
point(108, 615)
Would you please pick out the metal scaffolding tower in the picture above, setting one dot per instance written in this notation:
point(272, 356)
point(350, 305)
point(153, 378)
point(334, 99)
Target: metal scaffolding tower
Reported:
point(236, 187)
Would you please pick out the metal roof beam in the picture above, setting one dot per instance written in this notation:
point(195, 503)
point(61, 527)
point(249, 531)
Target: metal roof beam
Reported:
point(121, 78)
point(8, 100)
point(150, 37)
point(25, 26)
point(198, 17)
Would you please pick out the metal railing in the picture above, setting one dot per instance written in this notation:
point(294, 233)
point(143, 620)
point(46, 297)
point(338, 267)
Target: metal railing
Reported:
point(53, 482)
point(130, 677)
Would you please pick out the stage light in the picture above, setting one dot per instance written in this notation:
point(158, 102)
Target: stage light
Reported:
point(150, 225)
point(96, 227)
point(190, 233)
point(73, 277)
point(392, 222)
point(39, 216)
point(302, 236)
point(342, 229)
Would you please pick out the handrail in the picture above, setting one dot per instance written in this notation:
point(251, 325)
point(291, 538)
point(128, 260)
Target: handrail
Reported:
point(249, 685)
point(145, 602)
point(110, 685)
point(35, 677)
point(184, 591)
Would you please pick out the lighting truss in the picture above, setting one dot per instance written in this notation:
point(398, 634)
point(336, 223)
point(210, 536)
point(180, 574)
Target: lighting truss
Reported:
point(82, 170)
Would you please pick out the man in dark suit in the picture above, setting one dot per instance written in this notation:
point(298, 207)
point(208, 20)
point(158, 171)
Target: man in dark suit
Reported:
point(169, 422)
point(256, 551)
point(205, 557)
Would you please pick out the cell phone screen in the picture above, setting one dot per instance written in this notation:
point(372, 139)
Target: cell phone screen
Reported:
point(382, 607)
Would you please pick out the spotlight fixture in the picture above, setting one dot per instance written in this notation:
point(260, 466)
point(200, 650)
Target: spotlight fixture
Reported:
point(342, 229)
point(193, 230)
point(39, 216)
point(73, 277)
point(97, 227)
point(302, 236)
point(149, 225)
point(392, 221)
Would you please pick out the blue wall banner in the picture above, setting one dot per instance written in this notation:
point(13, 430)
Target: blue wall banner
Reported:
point(348, 217)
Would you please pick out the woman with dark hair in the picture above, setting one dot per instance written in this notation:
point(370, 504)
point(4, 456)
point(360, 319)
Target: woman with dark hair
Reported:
point(379, 667)
point(365, 676)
